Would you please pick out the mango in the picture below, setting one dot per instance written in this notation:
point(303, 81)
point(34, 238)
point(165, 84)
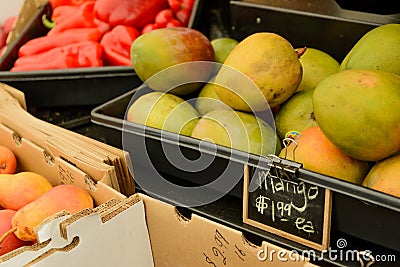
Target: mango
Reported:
point(17, 190)
point(163, 111)
point(223, 46)
point(208, 100)
point(378, 49)
point(272, 65)
point(8, 161)
point(359, 111)
point(164, 52)
point(316, 65)
point(384, 176)
point(237, 130)
point(296, 114)
point(11, 242)
point(314, 150)
point(64, 197)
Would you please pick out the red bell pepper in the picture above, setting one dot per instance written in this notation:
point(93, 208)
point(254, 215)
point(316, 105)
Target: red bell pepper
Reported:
point(83, 17)
point(57, 3)
point(117, 45)
point(135, 13)
point(173, 23)
point(182, 10)
point(177, 5)
point(47, 42)
point(174, 5)
point(165, 18)
point(5, 29)
point(183, 16)
point(3, 37)
point(62, 13)
point(149, 27)
point(9, 24)
point(78, 55)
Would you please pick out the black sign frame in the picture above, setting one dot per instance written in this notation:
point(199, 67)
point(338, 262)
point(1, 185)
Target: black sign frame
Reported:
point(279, 228)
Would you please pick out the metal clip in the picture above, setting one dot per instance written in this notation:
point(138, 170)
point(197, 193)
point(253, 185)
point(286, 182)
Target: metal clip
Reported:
point(284, 168)
point(286, 142)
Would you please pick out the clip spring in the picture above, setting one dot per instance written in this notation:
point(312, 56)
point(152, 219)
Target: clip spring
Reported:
point(284, 167)
point(286, 143)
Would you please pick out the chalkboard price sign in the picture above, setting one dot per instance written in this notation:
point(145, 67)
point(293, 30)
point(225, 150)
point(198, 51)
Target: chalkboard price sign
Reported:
point(282, 204)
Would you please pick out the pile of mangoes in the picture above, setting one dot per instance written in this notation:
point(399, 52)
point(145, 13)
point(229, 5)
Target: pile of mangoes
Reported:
point(339, 119)
point(27, 199)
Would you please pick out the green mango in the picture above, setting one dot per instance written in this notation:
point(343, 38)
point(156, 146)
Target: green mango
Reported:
point(159, 56)
point(163, 111)
point(359, 111)
point(239, 130)
point(223, 46)
point(208, 99)
point(377, 49)
point(296, 114)
point(316, 64)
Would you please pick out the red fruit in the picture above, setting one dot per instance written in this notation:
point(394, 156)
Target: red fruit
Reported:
point(174, 5)
point(149, 27)
point(187, 4)
point(173, 23)
point(8, 161)
point(9, 23)
point(183, 16)
point(11, 242)
point(163, 17)
point(3, 37)
point(5, 30)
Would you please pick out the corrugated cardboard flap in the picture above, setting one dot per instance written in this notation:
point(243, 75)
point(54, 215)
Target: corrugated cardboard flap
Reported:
point(100, 162)
point(72, 240)
point(202, 242)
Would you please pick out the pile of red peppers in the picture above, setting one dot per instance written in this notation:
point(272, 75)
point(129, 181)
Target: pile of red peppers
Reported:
point(95, 33)
point(5, 30)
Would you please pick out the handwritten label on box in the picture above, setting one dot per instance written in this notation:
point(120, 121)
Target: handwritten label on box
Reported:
point(220, 250)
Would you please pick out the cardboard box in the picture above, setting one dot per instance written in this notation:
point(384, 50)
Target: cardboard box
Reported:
point(99, 161)
point(143, 231)
point(196, 241)
point(66, 239)
point(31, 157)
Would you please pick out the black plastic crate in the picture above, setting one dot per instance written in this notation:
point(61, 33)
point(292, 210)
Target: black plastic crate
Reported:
point(356, 211)
point(322, 24)
point(69, 87)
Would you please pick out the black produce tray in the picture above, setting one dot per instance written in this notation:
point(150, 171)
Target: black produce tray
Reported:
point(69, 87)
point(356, 211)
point(322, 24)
point(72, 87)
